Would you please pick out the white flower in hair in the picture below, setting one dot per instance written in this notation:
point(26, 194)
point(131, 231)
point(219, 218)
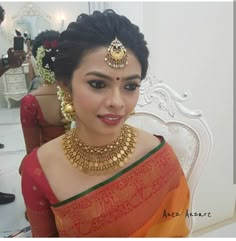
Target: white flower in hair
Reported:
point(45, 73)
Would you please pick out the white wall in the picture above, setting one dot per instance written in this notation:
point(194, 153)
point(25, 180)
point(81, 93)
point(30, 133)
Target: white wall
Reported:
point(191, 48)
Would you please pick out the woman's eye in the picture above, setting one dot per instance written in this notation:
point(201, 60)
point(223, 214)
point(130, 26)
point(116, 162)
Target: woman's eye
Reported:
point(131, 87)
point(97, 84)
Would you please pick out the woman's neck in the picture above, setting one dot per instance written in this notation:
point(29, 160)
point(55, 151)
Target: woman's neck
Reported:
point(92, 138)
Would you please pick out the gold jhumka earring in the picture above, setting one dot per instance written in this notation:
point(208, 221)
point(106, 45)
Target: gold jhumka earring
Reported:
point(67, 108)
point(116, 56)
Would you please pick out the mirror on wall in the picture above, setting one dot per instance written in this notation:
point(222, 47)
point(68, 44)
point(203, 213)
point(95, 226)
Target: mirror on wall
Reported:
point(31, 19)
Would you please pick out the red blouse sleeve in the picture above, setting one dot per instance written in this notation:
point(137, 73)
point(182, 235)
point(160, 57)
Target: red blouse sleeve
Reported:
point(38, 208)
point(29, 116)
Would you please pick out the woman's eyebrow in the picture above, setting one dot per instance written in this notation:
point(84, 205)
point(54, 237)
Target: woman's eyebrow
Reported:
point(131, 77)
point(101, 75)
point(98, 74)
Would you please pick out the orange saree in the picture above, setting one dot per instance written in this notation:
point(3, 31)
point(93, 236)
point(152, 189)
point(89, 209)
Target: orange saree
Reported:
point(147, 199)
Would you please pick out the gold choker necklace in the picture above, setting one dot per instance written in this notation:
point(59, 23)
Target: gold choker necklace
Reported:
point(97, 160)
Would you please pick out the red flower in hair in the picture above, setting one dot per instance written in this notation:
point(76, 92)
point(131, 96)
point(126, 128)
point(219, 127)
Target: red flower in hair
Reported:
point(54, 43)
point(50, 44)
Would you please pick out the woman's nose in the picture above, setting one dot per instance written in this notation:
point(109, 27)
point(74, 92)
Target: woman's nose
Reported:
point(115, 99)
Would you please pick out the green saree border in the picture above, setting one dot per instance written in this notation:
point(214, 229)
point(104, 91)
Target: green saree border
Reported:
point(111, 178)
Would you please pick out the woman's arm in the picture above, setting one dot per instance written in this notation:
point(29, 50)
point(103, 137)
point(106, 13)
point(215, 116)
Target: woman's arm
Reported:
point(38, 208)
point(29, 122)
point(14, 60)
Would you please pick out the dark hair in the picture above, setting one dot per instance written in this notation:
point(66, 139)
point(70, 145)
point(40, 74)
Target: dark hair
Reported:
point(45, 39)
point(95, 30)
point(2, 14)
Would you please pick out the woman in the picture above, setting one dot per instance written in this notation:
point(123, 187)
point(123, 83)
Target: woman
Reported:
point(39, 123)
point(34, 80)
point(104, 178)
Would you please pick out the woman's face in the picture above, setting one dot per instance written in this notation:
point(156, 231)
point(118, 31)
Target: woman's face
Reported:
point(104, 97)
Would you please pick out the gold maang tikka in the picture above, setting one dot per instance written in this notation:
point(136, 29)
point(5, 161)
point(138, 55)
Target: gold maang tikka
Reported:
point(116, 56)
point(98, 160)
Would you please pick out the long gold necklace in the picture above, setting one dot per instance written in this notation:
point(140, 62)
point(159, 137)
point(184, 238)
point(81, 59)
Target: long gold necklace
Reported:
point(97, 160)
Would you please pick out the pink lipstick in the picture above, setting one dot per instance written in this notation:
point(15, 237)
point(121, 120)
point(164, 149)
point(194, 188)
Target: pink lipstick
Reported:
point(110, 119)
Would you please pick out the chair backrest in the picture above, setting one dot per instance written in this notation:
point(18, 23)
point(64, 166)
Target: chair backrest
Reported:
point(160, 111)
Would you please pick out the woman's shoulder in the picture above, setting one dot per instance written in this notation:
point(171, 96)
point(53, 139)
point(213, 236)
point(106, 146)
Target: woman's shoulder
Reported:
point(146, 144)
point(30, 162)
point(35, 92)
point(28, 100)
point(28, 96)
point(148, 140)
point(155, 146)
point(44, 90)
point(50, 152)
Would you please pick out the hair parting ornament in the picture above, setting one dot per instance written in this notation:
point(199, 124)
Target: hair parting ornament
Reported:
point(116, 56)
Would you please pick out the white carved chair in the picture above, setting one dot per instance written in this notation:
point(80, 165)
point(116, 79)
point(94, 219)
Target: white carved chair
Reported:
point(160, 111)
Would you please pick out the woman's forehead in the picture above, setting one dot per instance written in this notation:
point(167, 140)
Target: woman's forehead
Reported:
point(96, 59)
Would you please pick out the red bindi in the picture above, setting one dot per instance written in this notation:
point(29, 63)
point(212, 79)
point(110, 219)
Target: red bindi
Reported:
point(117, 78)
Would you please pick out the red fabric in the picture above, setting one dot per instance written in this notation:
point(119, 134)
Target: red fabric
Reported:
point(114, 209)
point(33, 178)
point(35, 129)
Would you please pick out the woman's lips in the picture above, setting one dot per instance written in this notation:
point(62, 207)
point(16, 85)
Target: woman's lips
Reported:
point(110, 119)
